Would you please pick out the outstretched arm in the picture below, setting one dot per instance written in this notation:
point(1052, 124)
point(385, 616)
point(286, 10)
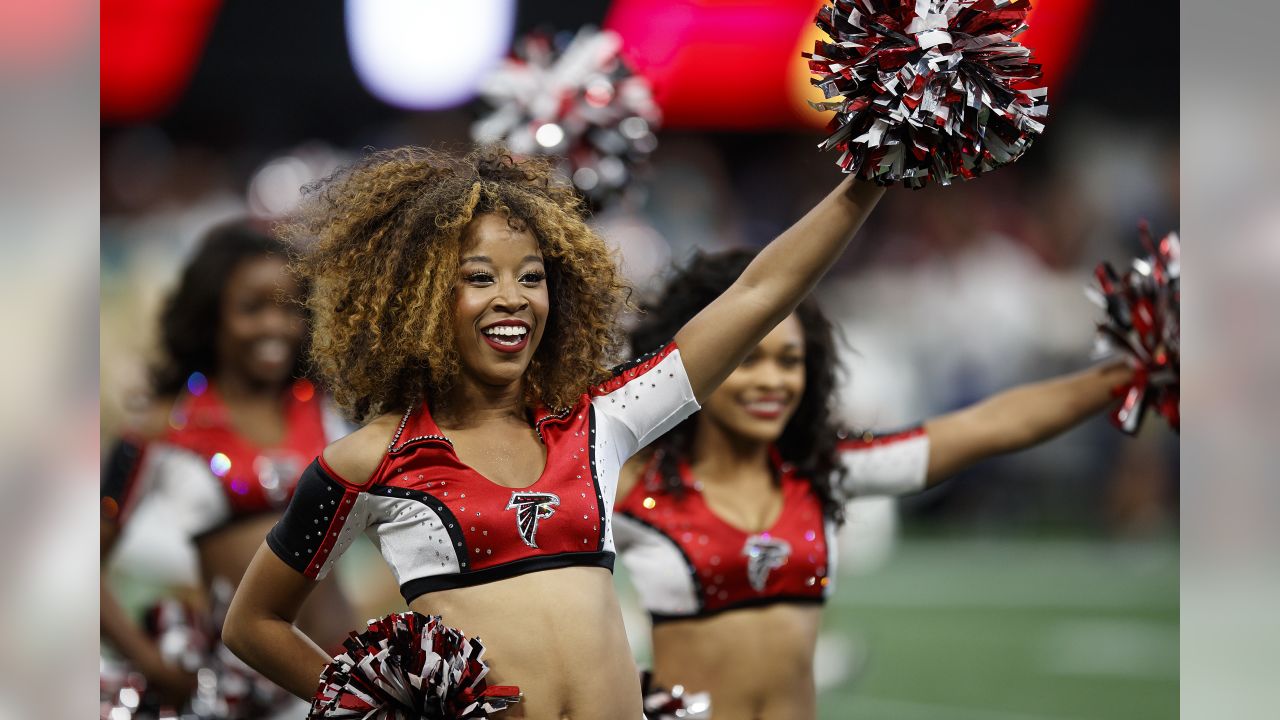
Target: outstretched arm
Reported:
point(1019, 418)
point(719, 337)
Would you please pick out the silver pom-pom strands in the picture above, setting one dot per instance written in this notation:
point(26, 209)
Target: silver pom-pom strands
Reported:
point(576, 100)
point(409, 666)
point(930, 89)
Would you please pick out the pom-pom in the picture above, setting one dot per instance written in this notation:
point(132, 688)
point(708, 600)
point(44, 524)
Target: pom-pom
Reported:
point(227, 689)
point(408, 666)
point(673, 704)
point(576, 99)
point(1142, 324)
point(932, 89)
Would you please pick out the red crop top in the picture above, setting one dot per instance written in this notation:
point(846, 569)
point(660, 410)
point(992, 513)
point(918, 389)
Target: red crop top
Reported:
point(686, 562)
point(208, 474)
point(441, 525)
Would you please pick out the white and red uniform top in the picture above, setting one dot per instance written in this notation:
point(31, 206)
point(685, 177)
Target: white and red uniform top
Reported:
point(441, 525)
point(208, 473)
point(687, 562)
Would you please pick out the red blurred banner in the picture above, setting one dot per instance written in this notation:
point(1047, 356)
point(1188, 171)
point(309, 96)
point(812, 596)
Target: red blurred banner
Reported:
point(735, 64)
point(149, 50)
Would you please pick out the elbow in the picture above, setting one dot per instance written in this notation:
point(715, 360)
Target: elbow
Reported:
point(237, 631)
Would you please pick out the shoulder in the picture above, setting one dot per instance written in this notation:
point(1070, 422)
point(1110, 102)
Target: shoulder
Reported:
point(356, 456)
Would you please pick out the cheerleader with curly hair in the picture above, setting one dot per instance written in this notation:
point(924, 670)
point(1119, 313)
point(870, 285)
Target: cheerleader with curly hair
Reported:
point(727, 524)
point(465, 312)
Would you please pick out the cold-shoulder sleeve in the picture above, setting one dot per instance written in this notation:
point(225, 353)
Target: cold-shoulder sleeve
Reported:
point(324, 517)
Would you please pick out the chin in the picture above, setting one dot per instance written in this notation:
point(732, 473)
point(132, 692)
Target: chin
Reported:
point(501, 374)
point(759, 431)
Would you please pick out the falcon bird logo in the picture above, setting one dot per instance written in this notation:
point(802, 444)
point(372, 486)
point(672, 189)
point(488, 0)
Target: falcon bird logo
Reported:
point(531, 507)
point(764, 553)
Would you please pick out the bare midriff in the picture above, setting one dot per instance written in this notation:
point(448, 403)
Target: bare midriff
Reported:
point(757, 663)
point(326, 617)
point(557, 634)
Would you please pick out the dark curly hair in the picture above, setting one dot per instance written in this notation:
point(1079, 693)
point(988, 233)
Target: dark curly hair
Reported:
point(809, 440)
point(192, 314)
point(384, 263)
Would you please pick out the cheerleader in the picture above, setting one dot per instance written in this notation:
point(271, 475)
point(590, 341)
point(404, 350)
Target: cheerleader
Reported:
point(464, 310)
point(727, 524)
point(219, 450)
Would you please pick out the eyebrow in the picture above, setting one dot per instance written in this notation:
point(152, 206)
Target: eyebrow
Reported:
point(487, 259)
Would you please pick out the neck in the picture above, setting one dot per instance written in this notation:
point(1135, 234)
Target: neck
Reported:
point(720, 455)
point(471, 404)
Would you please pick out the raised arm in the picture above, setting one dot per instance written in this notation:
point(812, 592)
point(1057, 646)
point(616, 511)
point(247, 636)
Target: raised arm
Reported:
point(719, 337)
point(1019, 418)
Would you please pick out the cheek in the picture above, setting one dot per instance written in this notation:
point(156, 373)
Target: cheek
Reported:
point(796, 384)
point(540, 304)
point(237, 326)
point(466, 307)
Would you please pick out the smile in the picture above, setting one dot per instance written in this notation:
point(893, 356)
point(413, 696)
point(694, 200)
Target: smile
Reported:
point(508, 336)
point(765, 409)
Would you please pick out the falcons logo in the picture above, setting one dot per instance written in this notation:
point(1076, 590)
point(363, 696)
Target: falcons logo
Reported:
point(764, 554)
point(531, 507)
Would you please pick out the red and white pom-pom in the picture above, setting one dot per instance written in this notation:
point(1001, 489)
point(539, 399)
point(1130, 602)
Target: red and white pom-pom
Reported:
point(932, 89)
point(1142, 323)
point(660, 703)
point(408, 666)
point(573, 98)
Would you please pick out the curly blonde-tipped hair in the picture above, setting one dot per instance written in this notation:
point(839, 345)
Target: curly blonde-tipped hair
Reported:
point(384, 238)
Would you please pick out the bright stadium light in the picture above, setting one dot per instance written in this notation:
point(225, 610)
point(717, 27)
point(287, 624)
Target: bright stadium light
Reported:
point(427, 54)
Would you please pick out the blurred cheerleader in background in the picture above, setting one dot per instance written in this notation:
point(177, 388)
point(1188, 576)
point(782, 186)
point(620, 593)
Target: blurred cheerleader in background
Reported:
point(217, 453)
point(727, 524)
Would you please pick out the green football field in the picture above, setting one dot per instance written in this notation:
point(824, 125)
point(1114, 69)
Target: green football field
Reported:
point(1006, 630)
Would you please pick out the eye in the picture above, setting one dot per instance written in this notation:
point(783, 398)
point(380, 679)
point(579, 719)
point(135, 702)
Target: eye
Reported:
point(791, 362)
point(533, 277)
point(479, 278)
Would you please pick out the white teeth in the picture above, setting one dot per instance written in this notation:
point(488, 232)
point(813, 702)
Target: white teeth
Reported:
point(507, 330)
point(272, 350)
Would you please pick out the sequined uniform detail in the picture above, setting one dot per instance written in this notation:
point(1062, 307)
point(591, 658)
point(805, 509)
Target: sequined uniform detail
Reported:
point(208, 475)
point(441, 525)
point(688, 562)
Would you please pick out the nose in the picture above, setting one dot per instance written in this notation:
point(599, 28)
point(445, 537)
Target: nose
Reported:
point(510, 297)
point(279, 320)
point(769, 376)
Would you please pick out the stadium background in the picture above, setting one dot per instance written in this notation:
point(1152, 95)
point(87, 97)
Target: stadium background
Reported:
point(1040, 586)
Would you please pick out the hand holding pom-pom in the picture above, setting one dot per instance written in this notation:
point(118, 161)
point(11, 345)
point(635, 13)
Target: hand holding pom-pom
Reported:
point(409, 666)
point(1142, 323)
point(933, 89)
